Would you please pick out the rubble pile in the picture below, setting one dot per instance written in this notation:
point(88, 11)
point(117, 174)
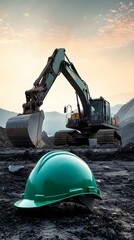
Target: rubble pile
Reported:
point(4, 141)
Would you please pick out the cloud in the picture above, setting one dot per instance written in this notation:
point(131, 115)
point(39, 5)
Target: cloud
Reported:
point(26, 14)
point(119, 30)
point(7, 34)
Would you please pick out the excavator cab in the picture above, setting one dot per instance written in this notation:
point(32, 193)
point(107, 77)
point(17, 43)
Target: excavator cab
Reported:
point(96, 111)
point(100, 111)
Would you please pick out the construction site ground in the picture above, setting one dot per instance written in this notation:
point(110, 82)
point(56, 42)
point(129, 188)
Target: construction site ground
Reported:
point(113, 216)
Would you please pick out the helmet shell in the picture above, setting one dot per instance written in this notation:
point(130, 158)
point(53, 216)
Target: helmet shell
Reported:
point(58, 175)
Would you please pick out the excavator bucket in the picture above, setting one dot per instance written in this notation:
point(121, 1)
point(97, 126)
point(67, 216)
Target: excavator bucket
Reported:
point(25, 130)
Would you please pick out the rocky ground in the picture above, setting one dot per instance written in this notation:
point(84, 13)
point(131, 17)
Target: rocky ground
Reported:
point(113, 216)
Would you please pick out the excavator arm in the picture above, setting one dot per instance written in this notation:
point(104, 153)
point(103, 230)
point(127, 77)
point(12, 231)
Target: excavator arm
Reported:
point(42, 85)
point(57, 63)
point(26, 128)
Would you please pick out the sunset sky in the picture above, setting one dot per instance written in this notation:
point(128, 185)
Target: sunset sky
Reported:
point(98, 36)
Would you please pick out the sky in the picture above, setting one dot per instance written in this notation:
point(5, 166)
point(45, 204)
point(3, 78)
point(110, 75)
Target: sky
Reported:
point(98, 36)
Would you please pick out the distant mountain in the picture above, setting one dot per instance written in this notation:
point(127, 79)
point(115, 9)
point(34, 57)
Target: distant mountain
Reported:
point(116, 108)
point(4, 116)
point(53, 122)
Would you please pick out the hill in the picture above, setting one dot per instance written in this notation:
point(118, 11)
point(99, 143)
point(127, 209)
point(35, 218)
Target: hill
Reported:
point(126, 113)
point(5, 115)
point(115, 108)
point(126, 118)
point(53, 122)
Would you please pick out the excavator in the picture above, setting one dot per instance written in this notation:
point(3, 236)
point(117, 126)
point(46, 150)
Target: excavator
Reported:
point(91, 123)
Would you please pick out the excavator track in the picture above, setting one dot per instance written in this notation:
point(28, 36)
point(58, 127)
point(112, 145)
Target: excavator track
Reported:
point(60, 138)
point(70, 137)
point(104, 137)
point(108, 136)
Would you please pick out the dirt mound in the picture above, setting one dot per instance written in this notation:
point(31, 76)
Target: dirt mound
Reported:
point(4, 141)
point(46, 139)
point(127, 133)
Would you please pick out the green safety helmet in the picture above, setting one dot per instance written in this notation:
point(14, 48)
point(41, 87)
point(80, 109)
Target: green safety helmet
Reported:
point(57, 176)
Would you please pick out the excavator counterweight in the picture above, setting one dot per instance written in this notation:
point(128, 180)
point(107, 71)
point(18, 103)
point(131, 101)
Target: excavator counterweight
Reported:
point(94, 121)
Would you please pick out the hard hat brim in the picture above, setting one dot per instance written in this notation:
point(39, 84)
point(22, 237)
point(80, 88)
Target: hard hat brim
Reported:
point(25, 203)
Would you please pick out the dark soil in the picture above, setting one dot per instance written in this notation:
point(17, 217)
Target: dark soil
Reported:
point(113, 216)
point(4, 141)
